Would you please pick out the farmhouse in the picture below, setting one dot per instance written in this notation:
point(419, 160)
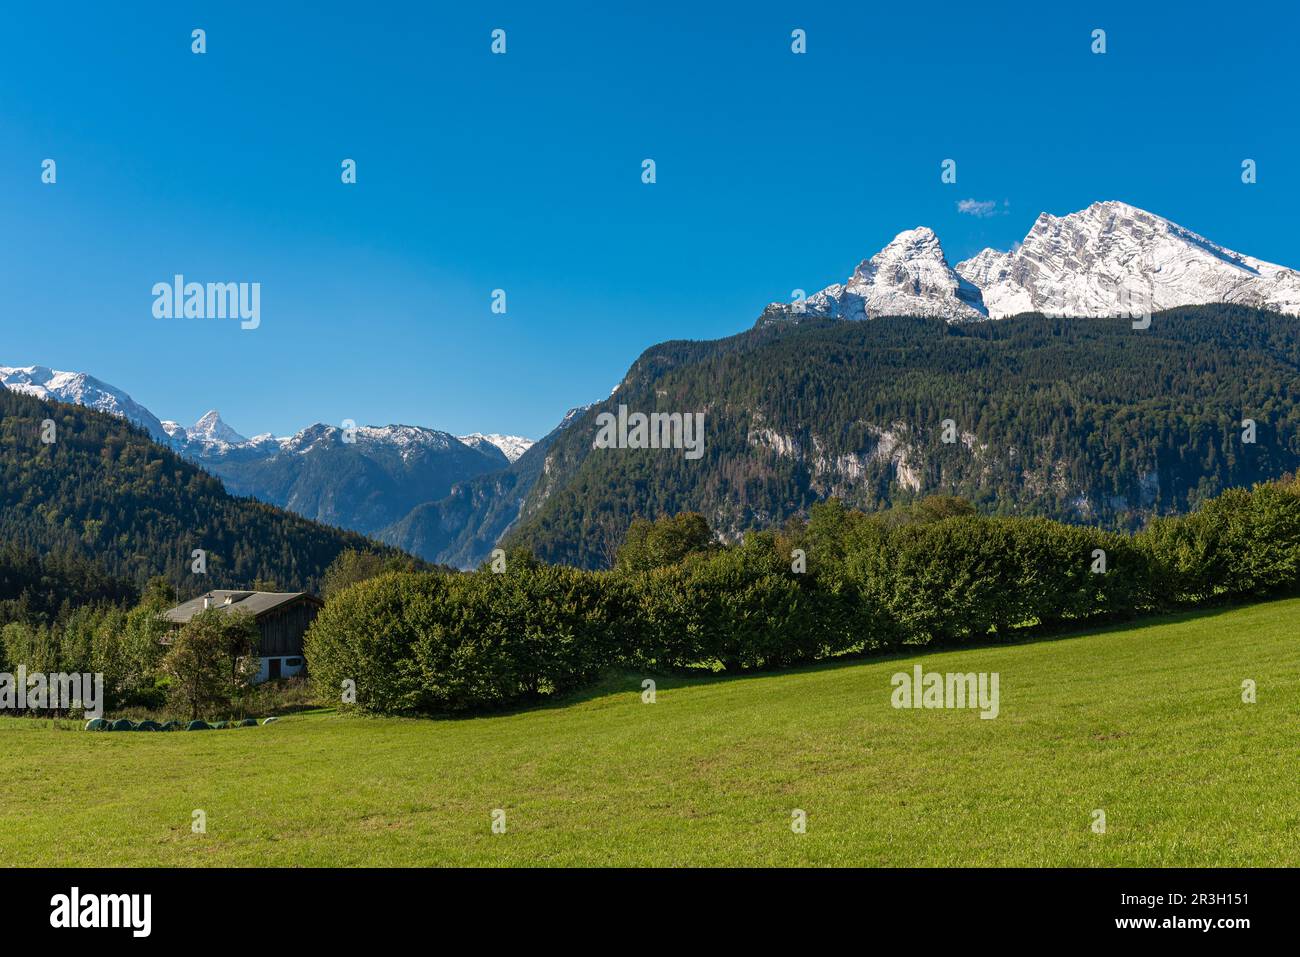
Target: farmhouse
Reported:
point(282, 619)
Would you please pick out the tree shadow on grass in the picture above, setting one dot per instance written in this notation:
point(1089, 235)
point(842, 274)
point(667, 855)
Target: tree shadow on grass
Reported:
point(629, 680)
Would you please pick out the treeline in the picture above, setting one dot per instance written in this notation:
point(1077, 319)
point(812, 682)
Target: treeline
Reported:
point(105, 492)
point(1081, 420)
point(120, 640)
point(841, 583)
point(42, 589)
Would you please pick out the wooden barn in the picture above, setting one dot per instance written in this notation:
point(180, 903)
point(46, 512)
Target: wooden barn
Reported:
point(282, 619)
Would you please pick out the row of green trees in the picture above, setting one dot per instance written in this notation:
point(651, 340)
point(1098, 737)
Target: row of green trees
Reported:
point(42, 588)
point(842, 582)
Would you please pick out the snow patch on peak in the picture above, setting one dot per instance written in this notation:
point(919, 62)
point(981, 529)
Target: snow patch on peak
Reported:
point(920, 238)
point(406, 440)
point(573, 414)
point(405, 436)
point(211, 430)
point(511, 446)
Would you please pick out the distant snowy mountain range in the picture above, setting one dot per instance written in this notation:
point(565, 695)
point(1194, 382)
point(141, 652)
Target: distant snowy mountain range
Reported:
point(1110, 259)
point(365, 479)
point(210, 437)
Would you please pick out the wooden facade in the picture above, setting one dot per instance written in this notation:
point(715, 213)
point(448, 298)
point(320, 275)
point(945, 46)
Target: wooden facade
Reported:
point(282, 620)
point(283, 628)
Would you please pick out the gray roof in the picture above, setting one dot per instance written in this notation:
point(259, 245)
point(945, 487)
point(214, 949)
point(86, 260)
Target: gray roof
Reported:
point(255, 603)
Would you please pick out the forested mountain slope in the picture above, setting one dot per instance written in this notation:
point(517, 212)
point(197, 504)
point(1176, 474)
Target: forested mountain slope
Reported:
point(104, 491)
point(1086, 420)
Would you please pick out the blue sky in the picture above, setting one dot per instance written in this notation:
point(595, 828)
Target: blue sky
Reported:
point(522, 172)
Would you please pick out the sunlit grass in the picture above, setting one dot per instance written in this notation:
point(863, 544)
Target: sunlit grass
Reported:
point(1146, 723)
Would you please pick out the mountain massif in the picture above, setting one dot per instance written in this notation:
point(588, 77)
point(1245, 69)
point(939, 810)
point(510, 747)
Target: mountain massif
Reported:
point(1111, 259)
point(1066, 405)
point(462, 528)
point(364, 479)
point(1087, 420)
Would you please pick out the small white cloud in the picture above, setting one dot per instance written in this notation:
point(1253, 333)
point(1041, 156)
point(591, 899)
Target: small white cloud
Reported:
point(981, 208)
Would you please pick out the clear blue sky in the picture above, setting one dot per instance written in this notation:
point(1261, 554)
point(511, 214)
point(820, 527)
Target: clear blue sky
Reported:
point(522, 171)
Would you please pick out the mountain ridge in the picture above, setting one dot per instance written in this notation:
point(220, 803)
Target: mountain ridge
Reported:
point(1109, 259)
point(210, 434)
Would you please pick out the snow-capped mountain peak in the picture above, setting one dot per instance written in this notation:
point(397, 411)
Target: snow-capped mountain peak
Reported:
point(909, 277)
point(1110, 259)
point(405, 440)
point(511, 446)
point(78, 388)
point(210, 430)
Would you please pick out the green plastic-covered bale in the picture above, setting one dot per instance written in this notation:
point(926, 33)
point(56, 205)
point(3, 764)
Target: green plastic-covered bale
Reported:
point(123, 724)
point(198, 725)
point(148, 725)
point(171, 726)
point(96, 724)
point(248, 723)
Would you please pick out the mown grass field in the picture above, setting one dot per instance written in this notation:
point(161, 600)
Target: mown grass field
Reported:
point(1144, 722)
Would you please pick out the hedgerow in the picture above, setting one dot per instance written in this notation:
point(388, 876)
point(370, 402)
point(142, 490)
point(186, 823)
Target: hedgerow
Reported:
point(840, 583)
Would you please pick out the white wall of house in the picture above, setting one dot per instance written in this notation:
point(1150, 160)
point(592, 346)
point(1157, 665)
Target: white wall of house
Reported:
point(287, 670)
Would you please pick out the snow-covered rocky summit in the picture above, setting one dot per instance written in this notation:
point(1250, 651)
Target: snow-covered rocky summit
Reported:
point(1109, 259)
point(909, 277)
point(1080, 264)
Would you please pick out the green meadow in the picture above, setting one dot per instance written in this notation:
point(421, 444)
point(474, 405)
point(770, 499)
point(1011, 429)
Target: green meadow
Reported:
point(1144, 722)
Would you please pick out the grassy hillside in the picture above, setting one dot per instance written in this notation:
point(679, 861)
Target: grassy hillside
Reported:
point(1146, 723)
